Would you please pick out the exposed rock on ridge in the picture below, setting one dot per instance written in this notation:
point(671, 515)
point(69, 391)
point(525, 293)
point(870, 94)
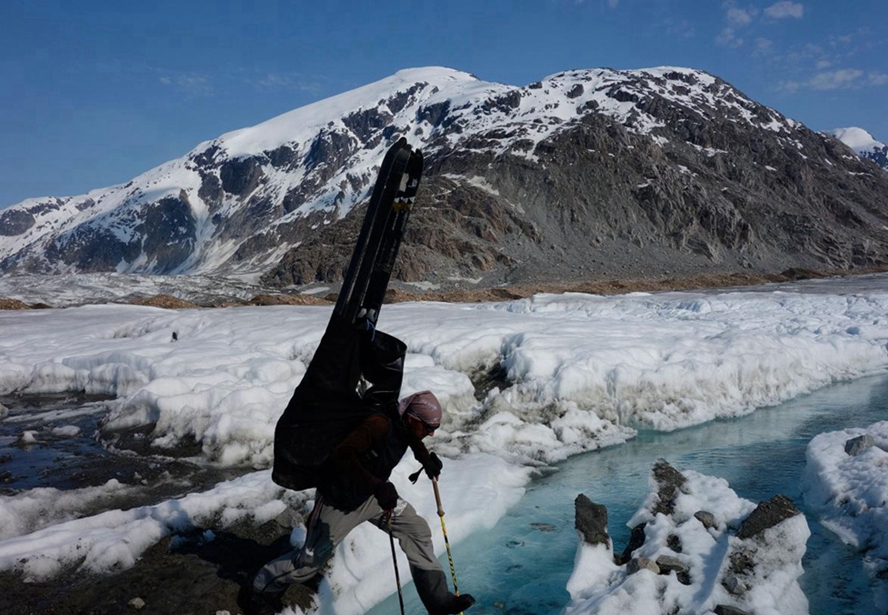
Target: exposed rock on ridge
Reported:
point(584, 175)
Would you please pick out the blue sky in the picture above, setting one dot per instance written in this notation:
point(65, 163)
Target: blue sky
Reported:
point(93, 93)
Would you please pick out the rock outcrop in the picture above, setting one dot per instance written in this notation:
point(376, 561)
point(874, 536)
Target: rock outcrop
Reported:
point(736, 559)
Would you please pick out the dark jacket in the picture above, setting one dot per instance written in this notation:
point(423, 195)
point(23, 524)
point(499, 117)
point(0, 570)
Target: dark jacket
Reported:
point(365, 459)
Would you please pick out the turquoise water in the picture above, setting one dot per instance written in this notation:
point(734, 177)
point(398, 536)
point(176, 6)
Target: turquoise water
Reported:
point(522, 565)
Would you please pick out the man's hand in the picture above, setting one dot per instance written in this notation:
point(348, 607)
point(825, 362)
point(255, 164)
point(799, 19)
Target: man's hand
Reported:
point(433, 466)
point(387, 496)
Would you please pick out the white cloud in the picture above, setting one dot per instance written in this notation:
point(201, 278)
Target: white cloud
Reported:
point(681, 28)
point(821, 64)
point(189, 83)
point(736, 18)
point(286, 81)
point(841, 79)
point(728, 38)
point(784, 9)
point(764, 46)
point(739, 17)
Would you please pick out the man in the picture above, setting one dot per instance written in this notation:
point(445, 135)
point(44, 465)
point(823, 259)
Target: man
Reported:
point(354, 487)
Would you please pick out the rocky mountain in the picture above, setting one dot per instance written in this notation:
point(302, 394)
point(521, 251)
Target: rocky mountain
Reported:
point(586, 174)
point(864, 144)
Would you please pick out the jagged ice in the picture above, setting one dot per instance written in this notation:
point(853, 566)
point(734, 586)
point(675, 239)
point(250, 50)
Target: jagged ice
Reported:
point(582, 372)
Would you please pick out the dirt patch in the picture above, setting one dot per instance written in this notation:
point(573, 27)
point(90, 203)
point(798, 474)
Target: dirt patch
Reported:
point(616, 286)
point(165, 301)
point(197, 573)
point(13, 304)
point(288, 300)
point(199, 570)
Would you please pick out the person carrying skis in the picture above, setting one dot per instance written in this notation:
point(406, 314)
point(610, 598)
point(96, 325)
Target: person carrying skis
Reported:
point(353, 487)
point(345, 429)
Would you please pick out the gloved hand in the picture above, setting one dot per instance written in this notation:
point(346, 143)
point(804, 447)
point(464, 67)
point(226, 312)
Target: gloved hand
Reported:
point(387, 496)
point(433, 466)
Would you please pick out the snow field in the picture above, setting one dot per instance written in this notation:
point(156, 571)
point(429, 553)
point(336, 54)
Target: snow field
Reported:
point(582, 372)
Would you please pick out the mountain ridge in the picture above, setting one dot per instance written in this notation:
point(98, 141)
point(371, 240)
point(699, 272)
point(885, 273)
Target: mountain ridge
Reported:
point(584, 173)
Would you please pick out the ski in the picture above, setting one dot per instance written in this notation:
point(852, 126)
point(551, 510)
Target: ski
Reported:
point(328, 404)
point(393, 233)
point(369, 271)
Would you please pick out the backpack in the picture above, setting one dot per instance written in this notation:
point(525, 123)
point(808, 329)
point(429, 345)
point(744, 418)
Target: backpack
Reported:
point(356, 370)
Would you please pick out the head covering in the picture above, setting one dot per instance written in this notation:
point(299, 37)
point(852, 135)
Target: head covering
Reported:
point(423, 406)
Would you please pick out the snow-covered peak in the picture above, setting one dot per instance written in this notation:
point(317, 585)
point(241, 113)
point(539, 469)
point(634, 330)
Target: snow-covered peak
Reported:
point(857, 139)
point(864, 144)
point(305, 122)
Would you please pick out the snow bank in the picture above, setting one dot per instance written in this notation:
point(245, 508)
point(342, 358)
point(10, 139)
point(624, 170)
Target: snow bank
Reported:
point(851, 494)
point(597, 585)
point(476, 491)
point(116, 538)
point(581, 371)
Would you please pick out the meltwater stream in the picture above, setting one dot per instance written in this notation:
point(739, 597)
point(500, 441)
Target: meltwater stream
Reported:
point(521, 566)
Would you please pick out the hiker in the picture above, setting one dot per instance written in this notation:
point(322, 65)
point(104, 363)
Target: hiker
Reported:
point(345, 429)
point(352, 484)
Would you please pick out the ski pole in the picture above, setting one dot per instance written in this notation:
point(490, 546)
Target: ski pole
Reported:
point(395, 559)
point(446, 540)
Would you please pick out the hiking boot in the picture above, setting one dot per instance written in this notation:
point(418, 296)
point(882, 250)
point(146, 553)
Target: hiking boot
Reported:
point(456, 604)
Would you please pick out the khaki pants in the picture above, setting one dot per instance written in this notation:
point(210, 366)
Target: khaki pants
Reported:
point(328, 526)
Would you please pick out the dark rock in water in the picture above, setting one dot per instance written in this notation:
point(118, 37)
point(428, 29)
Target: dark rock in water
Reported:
point(674, 543)
point(855, 446)
point(636, 539)
point(766, 515)
point(640, 563)
point(671, 481)
point(706, 518)
point(591, 521)
point(724, 609)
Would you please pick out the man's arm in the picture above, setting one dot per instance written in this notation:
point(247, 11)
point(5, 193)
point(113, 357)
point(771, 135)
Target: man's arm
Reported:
point(420, 452)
